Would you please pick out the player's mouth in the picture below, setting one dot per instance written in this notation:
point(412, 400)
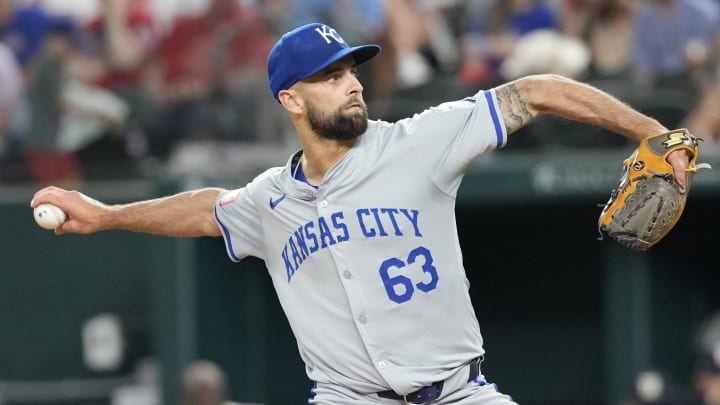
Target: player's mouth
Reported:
point(358, 105)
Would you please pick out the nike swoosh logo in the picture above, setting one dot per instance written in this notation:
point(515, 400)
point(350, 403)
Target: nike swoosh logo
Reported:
point(274, 203)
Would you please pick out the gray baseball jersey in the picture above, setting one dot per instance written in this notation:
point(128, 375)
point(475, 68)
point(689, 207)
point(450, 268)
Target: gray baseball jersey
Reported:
point(367, 266)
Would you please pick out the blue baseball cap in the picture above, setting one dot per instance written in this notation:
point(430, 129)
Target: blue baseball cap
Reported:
point(308, 49)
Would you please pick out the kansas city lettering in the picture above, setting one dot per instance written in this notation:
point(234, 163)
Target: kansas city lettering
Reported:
point(328, 231)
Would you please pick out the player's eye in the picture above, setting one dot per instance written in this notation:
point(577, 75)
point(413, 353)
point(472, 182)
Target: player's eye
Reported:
point(337, 75)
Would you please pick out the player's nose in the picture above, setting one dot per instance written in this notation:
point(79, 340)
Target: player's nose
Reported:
point(355, 86)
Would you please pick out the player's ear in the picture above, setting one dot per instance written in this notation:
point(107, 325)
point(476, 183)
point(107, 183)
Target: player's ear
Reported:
point(291, 101)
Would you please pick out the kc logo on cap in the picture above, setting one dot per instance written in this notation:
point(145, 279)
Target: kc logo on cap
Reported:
point(308, 49)
point(326, 32)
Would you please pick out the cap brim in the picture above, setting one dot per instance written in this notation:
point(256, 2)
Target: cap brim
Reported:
point(361, 54)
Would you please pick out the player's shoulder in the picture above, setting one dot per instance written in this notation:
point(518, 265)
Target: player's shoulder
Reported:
point(465, 103)
point(448, 108)
point(265, 179)
point(270, 179)
point(269, 174)
point(379, 126)
point(260, 185)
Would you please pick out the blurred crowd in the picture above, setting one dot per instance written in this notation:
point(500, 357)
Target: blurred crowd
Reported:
point(702, 387)
point(118, 92)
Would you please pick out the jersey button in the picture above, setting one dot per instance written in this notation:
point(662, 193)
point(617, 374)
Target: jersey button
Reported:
point(382, 364)
point(323, 204)
point(362, 319)
point(347, 274)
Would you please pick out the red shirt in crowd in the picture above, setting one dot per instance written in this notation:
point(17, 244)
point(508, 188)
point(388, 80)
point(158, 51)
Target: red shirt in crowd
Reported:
point(141, 22)
point(214, 46)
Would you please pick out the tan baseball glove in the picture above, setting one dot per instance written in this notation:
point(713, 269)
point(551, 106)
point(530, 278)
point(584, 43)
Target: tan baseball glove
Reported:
point(648, 203)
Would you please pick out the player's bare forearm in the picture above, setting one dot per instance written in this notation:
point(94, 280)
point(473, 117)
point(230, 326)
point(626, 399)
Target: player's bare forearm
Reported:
point(522, 100)
point(186, 214)
point(190, 213)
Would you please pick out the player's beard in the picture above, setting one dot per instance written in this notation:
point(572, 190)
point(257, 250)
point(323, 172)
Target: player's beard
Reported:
point(339, 125)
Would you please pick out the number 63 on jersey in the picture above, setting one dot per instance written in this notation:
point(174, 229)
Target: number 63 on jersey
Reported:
point(401, 288)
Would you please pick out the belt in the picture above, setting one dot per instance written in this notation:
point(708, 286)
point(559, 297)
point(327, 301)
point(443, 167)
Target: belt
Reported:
point(430, 392)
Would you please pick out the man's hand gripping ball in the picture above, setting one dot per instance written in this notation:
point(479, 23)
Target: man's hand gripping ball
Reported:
point(649, 201)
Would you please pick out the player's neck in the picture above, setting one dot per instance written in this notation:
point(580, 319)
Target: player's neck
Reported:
point(319, 156)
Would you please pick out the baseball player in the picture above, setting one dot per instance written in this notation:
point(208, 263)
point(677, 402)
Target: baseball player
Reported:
point(357, 229)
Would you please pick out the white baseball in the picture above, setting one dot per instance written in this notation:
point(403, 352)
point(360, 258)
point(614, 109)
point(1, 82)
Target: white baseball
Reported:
point(49, 216)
